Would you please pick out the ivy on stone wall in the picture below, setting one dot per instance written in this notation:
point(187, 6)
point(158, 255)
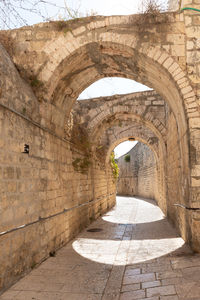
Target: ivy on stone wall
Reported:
point(114, 166)
point(81, 165)
point(127, 158)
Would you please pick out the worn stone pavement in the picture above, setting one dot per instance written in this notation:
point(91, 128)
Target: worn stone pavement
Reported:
point(136, 255)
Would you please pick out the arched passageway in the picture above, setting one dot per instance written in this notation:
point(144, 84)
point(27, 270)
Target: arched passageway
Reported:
point(146, 117)
point(49, 195)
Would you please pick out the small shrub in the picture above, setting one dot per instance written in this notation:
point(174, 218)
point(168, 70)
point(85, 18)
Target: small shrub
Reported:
point(81, 164)
point(35, 83)
point(120, 124)
point(76, 163)
point(151, 7)
point(127, 158)
point(62, 25)
point(33, 265)
point(114, 166)
point(84, 165)
point(150, 12)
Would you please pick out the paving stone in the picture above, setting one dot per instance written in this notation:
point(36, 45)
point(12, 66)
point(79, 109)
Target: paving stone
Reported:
point(172, 281)
point(139, 278)
point(190, 298)
point(165, 275)
point(132, 295)
point(186, 262)
point(192, 273)
point(132, 271)
point(189, 289)
point(111, 296)
point(27, 295)
point(150, 284)
point(151, 298)
point(169, 298)
point(161, 291)
point(130, 287)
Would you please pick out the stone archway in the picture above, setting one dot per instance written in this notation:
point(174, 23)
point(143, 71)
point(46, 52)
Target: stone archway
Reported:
point(93, 49)
point(116, 133)
point(62, 59)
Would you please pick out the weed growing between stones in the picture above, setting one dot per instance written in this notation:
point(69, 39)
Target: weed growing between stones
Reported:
point(81, 165)
point(62, 25)
point(151, 12)
point(36, 84)
point(151, 7)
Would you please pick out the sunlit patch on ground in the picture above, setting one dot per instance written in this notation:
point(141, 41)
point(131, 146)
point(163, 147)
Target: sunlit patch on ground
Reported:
point(135, 231)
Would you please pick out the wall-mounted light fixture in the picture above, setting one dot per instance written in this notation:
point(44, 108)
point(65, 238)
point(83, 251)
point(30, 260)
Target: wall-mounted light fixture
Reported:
point(26, 149)
point(131, 139)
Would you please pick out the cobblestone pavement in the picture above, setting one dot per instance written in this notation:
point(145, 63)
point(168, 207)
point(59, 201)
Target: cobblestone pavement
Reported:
point(136, 255)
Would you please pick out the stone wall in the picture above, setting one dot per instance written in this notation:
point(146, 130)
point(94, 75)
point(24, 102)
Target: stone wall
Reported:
point(175, 182)
point(139, 176)
point(45, 201)
point(36, 188)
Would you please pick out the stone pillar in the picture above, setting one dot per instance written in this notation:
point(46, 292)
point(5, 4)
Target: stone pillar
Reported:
point(192, 30)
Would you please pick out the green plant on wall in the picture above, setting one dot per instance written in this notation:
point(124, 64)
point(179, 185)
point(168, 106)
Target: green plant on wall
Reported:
point(114, 166)
point(81, 164)
point(127, 158)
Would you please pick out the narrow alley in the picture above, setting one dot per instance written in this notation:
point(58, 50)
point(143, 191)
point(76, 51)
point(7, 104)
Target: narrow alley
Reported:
point(132, 252)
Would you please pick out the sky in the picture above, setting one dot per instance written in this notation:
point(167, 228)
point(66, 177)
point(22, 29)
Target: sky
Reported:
point(112, 86)
point(103, 87)
point(124, 147)
point(53, 9)
point(100, 7)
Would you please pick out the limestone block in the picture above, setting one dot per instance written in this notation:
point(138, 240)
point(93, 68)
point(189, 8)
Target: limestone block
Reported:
point(178, 50)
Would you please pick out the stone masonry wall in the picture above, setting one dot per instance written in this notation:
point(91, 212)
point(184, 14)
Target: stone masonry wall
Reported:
point(174, 182)
point(37, 186)
point(41, 190)
point(138, 177)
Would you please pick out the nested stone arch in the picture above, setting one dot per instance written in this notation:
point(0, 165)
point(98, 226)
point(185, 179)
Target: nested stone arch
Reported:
point(146, 136)
point(147, 106)
point(126, 113)
point(116, 129)
point(114, 119)
point(148, 65)
point(139, 135)
point(63, 48)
